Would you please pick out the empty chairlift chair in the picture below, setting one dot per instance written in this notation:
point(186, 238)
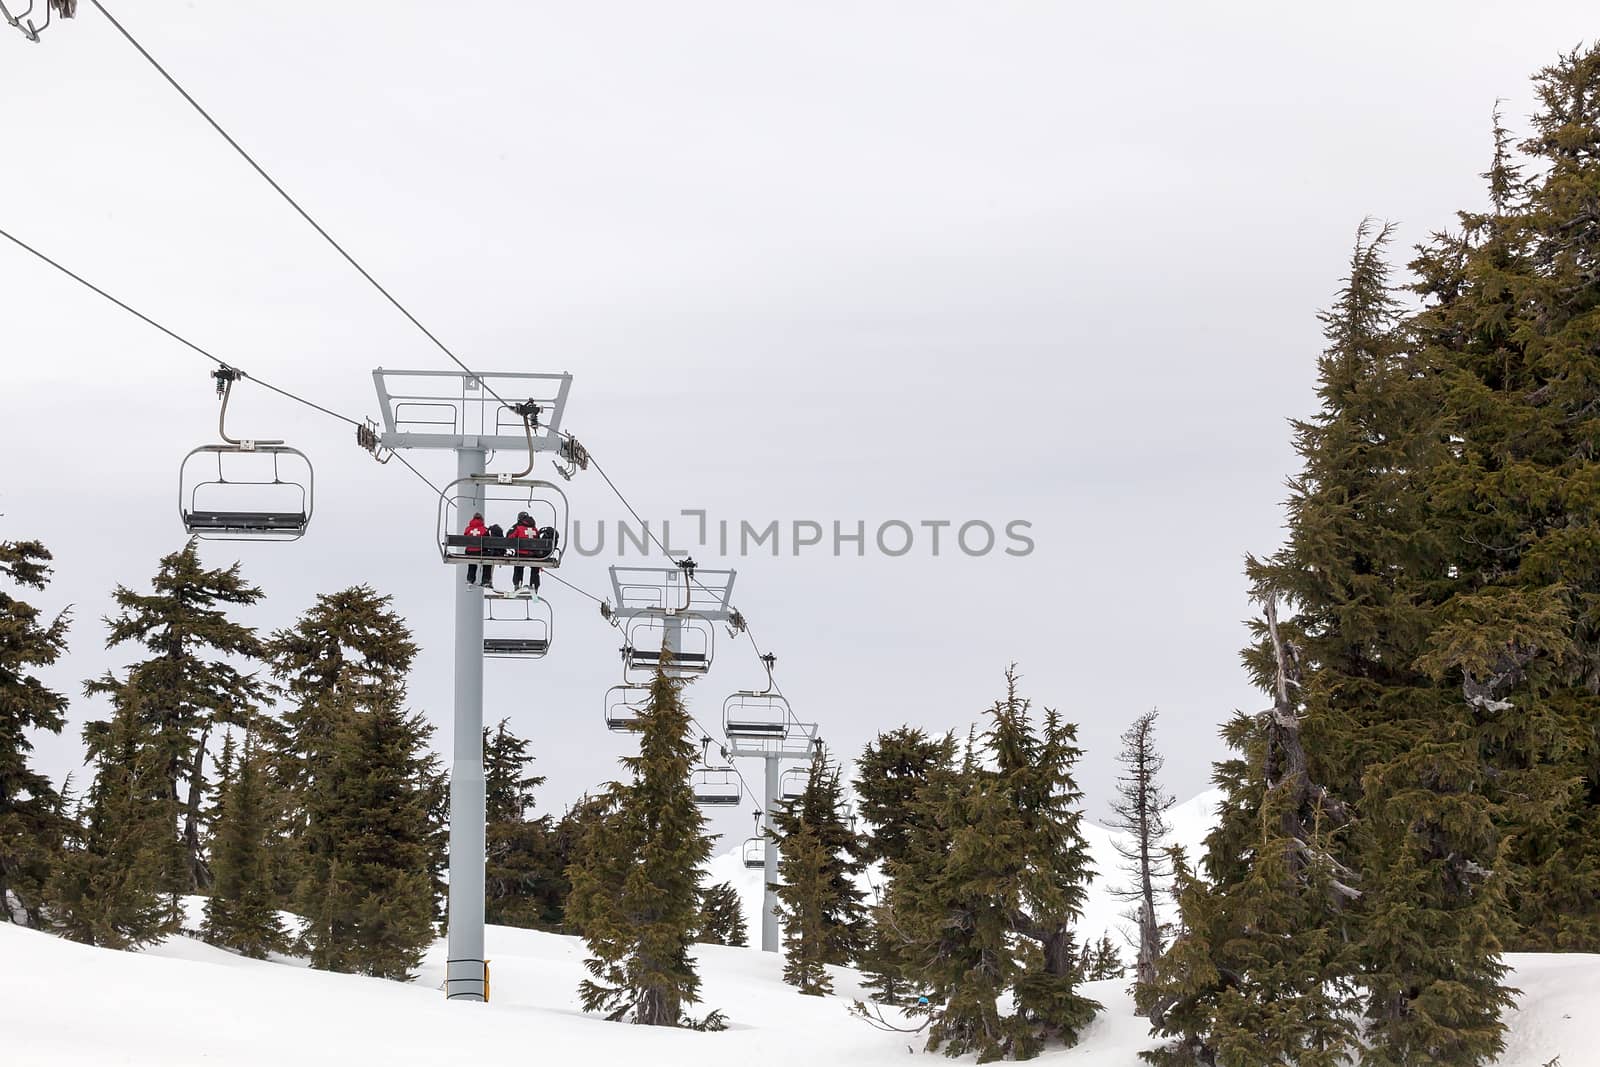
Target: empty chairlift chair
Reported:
point(756, 716)
point(716, 787)
point(624, 705)
point(515, 628)
point(755, 853)
point(648, 637)
point(244, 490)
point(792, 786)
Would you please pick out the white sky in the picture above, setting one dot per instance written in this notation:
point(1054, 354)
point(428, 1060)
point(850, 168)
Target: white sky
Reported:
point(858, 261)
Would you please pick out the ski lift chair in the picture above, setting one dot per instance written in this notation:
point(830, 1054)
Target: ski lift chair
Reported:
point(756, 715)
point(647, 637)
point(716, 787)
point(624, 705)
point(792, 786)
point(241, 489)
point(755, 853)
point(516, 628)
point(500, 498)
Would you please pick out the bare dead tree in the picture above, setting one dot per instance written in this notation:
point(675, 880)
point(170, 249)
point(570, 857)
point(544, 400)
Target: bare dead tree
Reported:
point(1140, 811)
point(1303, 801)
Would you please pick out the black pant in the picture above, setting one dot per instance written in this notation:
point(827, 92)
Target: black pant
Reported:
point(488, 573)
point(516, 576)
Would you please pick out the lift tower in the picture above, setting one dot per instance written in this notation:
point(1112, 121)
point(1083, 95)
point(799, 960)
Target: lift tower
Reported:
point(759, 724)
point(464, 413)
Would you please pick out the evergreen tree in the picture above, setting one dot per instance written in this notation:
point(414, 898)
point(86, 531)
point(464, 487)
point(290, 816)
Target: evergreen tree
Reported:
point(113, 884)
point(365, 846)
point(187, 687)
point(347, 655)
point(1509, 314)
point(241, 913)
point(992, 879)
point(832, 919)
point(524, 885)
point(721, 919)
point(890, 772)
point(32, 825)
point(636, 886)
point(803, 906)
point(367, 888)
point(1100, 961)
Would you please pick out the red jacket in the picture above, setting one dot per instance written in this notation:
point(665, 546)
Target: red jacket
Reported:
point(476, 528)
point(523, 530)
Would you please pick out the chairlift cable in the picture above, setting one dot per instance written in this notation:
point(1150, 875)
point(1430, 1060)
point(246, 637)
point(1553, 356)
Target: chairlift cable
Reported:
point(141, 316)
point(292, 202)
point(326, 236)
point(367, 275)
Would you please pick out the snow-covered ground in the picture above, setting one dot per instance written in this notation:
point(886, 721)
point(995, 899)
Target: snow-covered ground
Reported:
point(184, 1002)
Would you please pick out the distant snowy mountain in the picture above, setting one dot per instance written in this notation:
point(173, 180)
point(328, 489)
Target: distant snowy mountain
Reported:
point(1102, 913)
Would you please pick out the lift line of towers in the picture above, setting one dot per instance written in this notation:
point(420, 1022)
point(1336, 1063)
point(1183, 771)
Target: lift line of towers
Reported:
point(262, 490)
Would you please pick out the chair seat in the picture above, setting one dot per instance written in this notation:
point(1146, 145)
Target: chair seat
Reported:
point(244, 520)
point(515, 646)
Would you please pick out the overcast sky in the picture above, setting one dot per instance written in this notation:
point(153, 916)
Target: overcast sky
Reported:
point(834, 261)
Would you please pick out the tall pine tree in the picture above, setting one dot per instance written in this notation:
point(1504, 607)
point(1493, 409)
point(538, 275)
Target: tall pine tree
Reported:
point(890, 772)
point(821, 897)
point(190, 684)
point(365, 847)
point(241, 912)
point(524, 883)
point(636, 884)
point(114, 884)
point(32, 825)
point(992, 878)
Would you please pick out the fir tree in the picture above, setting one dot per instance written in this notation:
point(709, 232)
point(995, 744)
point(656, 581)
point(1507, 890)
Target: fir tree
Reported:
point(187, 687)
point(32, 825)
point(636, 887)
point(1100, 961)
point(113, 884)
point(1509, 314)
point(365, 848)
point(1140, 811)
point(367, 890)
point(803, 901)
point(524, 884)
point(347, 655)
point(832, 920)
point(721, 919)
point(241, 913)
point(991, 881)
point(890, 773)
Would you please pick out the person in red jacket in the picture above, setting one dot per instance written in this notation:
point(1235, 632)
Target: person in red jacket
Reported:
point(476, 528)
point(525, 528)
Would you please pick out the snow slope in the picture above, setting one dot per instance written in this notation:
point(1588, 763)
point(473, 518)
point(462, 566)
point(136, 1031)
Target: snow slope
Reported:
point(185, 1003)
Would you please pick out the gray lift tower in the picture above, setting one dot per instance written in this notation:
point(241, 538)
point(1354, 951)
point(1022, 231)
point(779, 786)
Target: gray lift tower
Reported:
point(759, 724)
point(464, 413)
